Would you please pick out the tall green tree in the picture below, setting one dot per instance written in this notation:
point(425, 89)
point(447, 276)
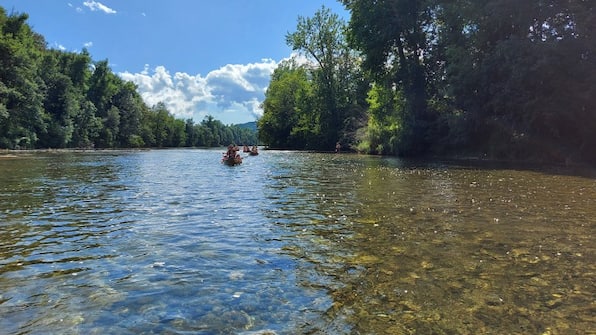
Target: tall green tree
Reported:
point(288, 119)
point(87, 126)
point(519, 74)
point(103, 85)
point(321, 38)
point(393, 37)
point(192, 135)
point(60, 103)
point(159, 124)
point(130, 106)
point(21, 100)
point(381, 136)
point(212, 134)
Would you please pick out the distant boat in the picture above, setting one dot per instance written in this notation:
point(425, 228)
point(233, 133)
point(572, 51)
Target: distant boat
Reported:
point(230, 160)
point(254, 151)
point(231, 157)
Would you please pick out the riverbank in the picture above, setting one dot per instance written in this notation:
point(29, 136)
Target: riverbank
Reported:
point(480, 161)
point(22, 152)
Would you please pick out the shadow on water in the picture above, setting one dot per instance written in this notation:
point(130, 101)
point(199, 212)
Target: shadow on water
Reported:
point(584, 170)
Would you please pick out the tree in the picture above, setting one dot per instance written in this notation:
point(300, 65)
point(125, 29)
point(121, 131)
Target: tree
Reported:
point(212, 128)
point(518, 73)
point(381, 135)
point(86, 126)
point(321, 38)
point(110, 128)
point(52, 98)
point(103, 85)
point(159, 123)
point(177, 132)
point(60, 103)
point(393, 36)
point(288, 120)
point(192, 135)
point(130, 106)
point(21, 100)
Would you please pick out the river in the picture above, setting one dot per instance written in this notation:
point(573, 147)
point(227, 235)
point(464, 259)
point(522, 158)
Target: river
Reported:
point(174, 242)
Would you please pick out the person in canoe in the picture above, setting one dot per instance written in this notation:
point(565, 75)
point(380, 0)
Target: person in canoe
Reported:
point(231, 151)
point(232, 157)
point(337, 147)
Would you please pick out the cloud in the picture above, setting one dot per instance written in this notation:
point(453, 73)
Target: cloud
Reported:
point(232, 94)
point(88, 44)
point(240, 83)
point(78, 9)
point(98, 6)
point(58, 46)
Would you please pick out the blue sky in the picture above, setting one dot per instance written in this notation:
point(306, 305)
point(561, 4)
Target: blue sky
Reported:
point(199, 57)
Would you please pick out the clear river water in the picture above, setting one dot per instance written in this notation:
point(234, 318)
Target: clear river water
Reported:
point(174, 242)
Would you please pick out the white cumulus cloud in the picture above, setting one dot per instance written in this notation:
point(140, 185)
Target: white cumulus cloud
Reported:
point(232, 94)
point(96, 5)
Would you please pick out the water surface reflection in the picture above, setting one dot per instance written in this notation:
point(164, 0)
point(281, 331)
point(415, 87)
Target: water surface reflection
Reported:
point(419, 248)
point(174, 242)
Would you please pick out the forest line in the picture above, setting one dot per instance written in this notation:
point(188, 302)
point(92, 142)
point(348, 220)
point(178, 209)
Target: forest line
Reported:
point(498, 79)
point(56, 99)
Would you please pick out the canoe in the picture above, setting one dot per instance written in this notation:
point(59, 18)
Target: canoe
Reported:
point(231, 160)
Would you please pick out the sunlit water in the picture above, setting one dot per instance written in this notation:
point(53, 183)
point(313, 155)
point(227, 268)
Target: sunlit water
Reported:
point(174, 242)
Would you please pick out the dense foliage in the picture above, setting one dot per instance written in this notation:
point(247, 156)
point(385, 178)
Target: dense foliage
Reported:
point(56, 99)
point(502, 79)
point(316, 104)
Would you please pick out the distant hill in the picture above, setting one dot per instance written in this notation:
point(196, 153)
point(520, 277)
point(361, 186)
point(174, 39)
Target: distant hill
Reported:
point(250, 125)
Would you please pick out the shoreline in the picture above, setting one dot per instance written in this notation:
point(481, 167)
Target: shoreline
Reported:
point(470, 161)
point(16, 153)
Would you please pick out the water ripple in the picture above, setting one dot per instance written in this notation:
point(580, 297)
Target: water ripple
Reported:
point(173, 241)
